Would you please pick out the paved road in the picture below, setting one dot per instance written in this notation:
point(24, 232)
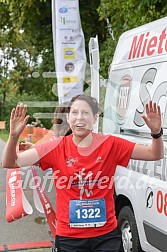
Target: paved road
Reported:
point(25, 229)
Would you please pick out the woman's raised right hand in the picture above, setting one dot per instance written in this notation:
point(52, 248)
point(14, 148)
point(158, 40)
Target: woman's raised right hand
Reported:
point(18, 120)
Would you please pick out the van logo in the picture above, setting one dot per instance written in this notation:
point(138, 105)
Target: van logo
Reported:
point(123, 98)
point(63, 10)
point(149, 198)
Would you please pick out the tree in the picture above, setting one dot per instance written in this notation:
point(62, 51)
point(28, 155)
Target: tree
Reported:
point(125, 15)
point(29, 30)
point(26, 39)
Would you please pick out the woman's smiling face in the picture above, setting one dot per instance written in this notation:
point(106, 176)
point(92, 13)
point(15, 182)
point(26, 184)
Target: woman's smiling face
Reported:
point(81, 118)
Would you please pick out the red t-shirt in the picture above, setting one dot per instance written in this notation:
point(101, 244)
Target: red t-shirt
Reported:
point(84, 174)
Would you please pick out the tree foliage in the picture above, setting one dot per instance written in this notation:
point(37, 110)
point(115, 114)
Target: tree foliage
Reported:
point(26, 40)
point(125, 15)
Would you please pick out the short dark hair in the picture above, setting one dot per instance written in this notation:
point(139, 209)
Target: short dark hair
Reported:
point(89, 99)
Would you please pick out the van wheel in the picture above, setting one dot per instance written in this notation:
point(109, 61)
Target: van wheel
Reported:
point(127, 224)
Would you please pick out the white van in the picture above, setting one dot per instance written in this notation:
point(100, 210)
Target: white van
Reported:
point(137, 74)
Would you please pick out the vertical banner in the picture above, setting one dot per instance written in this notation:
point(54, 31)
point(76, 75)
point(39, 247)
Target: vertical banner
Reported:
point(69, 48)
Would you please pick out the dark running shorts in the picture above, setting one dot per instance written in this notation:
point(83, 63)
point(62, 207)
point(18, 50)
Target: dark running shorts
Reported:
point(111, 242)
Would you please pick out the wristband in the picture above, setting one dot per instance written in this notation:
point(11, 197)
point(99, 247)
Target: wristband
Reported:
point(156, 136)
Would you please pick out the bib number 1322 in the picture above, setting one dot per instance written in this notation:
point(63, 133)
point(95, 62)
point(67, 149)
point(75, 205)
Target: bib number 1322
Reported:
point(87, 213)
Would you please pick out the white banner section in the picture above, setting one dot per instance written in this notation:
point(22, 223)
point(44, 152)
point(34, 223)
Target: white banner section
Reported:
point(69, 48)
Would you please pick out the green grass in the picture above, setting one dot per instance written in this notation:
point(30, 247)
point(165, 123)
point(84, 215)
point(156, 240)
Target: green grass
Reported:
point(4, 135)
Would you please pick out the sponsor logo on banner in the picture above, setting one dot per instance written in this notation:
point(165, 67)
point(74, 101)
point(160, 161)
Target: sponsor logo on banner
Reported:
point(63, 10)
point(65, 29)
point(62, 20)
point(71, 93)
point(65, 21)
point(75, 30)
point(70, 79)
point(69, 53)
point(68, 88)
point(69, 67)
point(68, 40)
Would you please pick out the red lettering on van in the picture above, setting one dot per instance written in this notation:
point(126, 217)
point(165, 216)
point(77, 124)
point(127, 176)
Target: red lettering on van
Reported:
point(151, 46)
point(136, 47)
point(161, 38)
point(143, 45)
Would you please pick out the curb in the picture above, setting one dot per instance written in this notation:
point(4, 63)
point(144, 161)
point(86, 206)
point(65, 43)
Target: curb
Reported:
point(25, 246)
